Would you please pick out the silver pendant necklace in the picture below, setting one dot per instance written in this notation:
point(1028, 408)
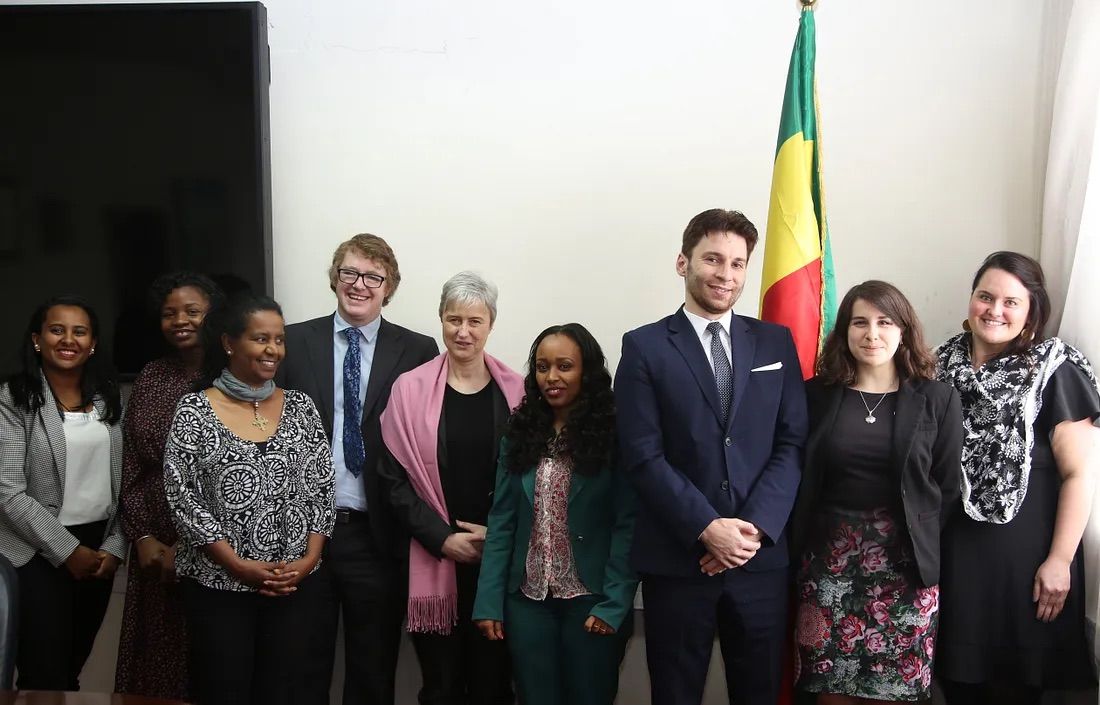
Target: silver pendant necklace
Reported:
point(870, 418)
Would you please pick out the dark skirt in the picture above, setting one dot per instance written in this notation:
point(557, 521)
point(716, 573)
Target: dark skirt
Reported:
point(866, 626)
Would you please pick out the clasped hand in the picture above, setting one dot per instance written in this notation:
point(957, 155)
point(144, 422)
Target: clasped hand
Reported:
point(730, 543)
point(273, 578)
point(87, 564)
point(465, 546)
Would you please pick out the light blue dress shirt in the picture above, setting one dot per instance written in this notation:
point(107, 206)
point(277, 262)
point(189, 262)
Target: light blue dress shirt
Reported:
point(350, 491)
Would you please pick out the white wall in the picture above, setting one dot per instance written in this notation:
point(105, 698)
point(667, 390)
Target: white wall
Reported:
point(561, 148)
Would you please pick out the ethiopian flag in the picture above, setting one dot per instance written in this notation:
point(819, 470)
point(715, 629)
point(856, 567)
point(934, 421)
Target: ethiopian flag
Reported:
point(799, 288)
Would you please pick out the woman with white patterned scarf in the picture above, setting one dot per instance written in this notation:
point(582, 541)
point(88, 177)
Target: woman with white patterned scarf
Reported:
point(1012, 622)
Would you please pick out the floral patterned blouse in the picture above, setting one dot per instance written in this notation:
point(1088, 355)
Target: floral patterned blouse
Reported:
point(551, 571)
point(264, 502)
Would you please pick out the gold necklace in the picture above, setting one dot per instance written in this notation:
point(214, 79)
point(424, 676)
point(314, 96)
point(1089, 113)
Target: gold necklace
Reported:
point(258, 420)
point(71, 409)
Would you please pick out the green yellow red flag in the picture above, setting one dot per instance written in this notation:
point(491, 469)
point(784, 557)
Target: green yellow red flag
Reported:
point(799, 285)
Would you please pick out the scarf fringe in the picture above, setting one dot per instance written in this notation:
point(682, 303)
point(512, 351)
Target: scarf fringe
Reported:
point(432, 614)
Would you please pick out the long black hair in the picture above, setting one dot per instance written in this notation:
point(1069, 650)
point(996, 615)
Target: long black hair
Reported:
point(98, 377)
point(229, 319)
point(589, 435)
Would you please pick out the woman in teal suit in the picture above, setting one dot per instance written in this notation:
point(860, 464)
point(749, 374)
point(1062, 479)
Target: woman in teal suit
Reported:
point(555, 580)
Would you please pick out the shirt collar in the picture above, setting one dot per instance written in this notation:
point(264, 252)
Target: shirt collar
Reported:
point(700, 324)
point(369, 331)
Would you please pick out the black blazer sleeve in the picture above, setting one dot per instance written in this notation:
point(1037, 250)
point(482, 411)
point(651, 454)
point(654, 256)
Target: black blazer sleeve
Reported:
point(414, 514)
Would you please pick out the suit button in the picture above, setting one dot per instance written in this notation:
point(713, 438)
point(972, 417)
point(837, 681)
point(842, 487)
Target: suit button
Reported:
point(729, 442)
point(580, 538)
point(725, 485)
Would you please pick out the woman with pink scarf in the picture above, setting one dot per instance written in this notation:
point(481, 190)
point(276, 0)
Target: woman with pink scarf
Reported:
point(442, 428)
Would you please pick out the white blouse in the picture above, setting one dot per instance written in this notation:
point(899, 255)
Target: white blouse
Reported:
point(87, 495)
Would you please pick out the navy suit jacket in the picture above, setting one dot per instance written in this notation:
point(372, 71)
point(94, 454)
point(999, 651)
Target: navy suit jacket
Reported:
point(686, 467)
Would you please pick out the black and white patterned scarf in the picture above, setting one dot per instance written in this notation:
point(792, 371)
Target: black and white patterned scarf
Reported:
point(1000, 402)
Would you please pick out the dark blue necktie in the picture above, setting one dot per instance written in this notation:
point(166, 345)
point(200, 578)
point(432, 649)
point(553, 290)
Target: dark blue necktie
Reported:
point(723, 373)
point(354, 454)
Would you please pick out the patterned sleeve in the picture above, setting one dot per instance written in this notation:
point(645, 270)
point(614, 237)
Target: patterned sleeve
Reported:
point(185, 453)
point(319, 473)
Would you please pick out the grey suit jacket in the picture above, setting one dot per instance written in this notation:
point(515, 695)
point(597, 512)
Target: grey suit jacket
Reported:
point(32, 483)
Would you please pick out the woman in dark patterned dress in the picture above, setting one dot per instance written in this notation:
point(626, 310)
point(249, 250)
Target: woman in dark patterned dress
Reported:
point(248, 476)
point(881, 476)
point(152, 649)
point(1013, 569)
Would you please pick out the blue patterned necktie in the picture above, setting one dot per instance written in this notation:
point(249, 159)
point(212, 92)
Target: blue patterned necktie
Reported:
point(354, 454)
point(723, 373)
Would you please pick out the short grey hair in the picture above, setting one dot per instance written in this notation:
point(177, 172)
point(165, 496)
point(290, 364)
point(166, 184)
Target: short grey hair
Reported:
point(469, 288)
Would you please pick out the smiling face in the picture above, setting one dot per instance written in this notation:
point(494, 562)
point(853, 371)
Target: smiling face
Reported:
point(181, 316)
point(873, 336)
point(466, 327)
point(359, 304)
point(254, 356)
point(558, 372)
point(998, 311)
point(66, 340)
point(714, 274)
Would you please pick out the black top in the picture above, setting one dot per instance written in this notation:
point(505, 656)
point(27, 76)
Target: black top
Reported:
point(856, 454)
point(470, 472)
point(988, 630)
point(925, 462)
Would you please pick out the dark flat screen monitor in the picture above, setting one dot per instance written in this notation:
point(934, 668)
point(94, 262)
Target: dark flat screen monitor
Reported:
point(134, 141)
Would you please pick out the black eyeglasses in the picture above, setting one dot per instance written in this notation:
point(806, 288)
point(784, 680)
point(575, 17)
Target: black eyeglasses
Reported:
point(370, 279)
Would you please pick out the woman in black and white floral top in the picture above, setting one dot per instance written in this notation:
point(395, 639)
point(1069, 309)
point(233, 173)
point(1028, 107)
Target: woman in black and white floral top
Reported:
point(248, 475)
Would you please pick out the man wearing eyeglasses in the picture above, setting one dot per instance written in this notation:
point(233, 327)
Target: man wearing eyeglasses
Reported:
point(347, 362)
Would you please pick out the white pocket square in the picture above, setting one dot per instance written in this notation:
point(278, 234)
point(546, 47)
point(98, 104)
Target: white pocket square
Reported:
point(768, 368)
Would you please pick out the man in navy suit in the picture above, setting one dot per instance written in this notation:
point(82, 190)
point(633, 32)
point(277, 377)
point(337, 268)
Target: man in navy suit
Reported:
point(712, 421)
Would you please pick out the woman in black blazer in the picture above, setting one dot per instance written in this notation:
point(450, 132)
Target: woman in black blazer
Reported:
point(881, 474)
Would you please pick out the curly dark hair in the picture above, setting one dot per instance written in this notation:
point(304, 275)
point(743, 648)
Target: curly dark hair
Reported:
point(913, 359)
point(165, 284)
point(589, 437)
point(97, 378)
point(230, 319)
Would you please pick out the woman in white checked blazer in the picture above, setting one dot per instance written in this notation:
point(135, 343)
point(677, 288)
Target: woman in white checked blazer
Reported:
point(60, 472)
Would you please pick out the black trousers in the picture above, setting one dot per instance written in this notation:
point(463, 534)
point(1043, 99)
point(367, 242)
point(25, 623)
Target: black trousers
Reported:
point(245, 648)
point(362, 581)
point(463, 667)
point(749, 613)
point(59, 618)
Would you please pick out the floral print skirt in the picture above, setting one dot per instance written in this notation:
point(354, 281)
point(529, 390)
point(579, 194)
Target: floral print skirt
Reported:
point(866, 627)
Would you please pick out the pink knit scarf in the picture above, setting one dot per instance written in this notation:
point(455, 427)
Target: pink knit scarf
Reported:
point(410, 430)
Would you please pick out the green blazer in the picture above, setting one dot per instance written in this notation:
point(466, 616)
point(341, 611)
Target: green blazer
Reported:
point(601, 528)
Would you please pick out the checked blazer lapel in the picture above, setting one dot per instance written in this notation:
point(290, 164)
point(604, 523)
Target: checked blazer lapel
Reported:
point(55, 432)
point(683, 338)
